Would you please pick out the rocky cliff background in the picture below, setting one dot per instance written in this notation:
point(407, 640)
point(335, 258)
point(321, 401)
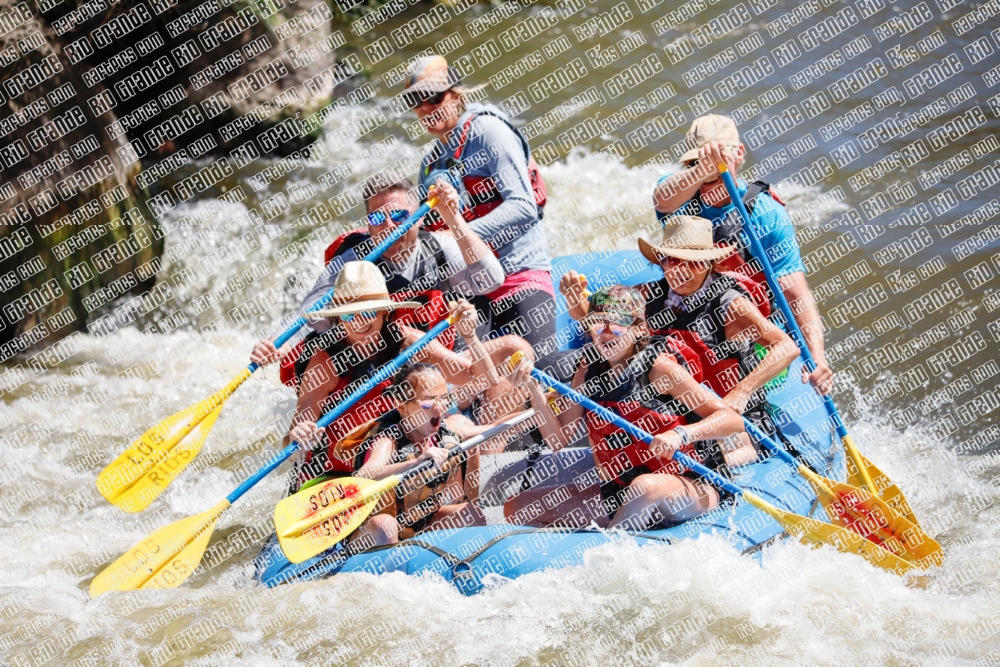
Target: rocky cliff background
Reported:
point(99, 100)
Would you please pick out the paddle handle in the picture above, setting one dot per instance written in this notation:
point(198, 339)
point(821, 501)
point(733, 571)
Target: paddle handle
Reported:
point(252, 480)
point(472, 442)
point(634, 431)
point(376, 252)
point(324, 421)
point(779, 297)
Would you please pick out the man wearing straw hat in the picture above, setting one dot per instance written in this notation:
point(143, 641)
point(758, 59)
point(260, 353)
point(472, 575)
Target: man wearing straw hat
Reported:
point(698, 190)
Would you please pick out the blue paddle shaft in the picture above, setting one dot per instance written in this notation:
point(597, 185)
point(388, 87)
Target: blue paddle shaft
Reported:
point(380, 375)
point(394, 236)
point(779, 297)
point(634, 431)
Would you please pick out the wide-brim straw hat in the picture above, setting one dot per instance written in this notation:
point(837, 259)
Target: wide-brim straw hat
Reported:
point(685, 237)
point(360, 287)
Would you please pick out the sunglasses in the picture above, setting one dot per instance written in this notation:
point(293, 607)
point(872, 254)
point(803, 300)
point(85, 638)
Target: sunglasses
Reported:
point(601, 326)
point(364, 315)
point(378, 217)
point(446, 402)
point(694, 163)
point(415, 98)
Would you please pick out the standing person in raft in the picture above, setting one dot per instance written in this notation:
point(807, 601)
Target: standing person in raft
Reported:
point(479, 149)
point(644, 379)
point(698, 190)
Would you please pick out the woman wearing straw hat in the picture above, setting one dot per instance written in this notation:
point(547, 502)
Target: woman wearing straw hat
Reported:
point(361, 341)
point(722, 316)
point(482, 153)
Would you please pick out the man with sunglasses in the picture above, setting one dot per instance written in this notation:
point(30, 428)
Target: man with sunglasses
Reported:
point(421, 266)
point(697, 190)
point(479, 150)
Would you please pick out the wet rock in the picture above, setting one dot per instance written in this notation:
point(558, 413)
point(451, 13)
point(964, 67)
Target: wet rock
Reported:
point(102, 102)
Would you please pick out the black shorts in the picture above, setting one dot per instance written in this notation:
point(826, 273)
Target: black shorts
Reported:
point(530, 314)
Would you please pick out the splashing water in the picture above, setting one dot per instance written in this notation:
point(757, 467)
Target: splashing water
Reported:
point(697, 601)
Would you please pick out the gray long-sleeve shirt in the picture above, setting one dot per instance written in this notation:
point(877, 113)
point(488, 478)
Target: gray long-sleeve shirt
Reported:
point(494, 150)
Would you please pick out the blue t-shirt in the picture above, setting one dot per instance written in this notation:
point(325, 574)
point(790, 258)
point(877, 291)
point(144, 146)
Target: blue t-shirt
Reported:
point(771, 223)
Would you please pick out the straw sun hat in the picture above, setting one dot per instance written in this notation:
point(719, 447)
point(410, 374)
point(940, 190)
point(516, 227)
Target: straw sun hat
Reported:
point(360, 287)
point(685, 237)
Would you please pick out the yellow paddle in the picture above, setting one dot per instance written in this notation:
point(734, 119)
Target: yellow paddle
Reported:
point(807, 529)
point(169, 556)
point(134, 479)
point(863, 471)
point(144, 470)
point(315, 519)
point(856, 509)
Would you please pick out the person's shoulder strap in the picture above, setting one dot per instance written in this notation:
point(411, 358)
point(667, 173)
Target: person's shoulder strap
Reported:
point(755, 189)
point(460, 150)
point(434, 245)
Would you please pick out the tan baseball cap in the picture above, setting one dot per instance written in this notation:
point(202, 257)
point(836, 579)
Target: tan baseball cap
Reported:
point(711, 127)
point(685, 237)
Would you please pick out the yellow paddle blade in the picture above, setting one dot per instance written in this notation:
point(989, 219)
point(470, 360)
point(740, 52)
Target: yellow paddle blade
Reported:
point(313, 520)
point(157, 446)
point(165, 559)
point(813, 531)
point(860, 477)
point(875, 520)
point(147, 488)
point(887, 489)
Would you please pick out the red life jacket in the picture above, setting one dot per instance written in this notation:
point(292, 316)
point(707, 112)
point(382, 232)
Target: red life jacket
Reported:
point(633, 399)
point(482, 190)
point(702, 327)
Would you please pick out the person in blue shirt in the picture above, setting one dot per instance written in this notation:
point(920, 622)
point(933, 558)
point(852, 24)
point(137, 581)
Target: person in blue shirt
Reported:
point(698, 190)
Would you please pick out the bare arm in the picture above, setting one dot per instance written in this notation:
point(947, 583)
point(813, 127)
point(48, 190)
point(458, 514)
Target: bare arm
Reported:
point(377, 466)
point(717, 419)
point(313, 390)
point(745, 322)
point(680, 187)
point(803, 305)
point(676, 190)
point(549, 423)
point(572, 286)
point(449, 207)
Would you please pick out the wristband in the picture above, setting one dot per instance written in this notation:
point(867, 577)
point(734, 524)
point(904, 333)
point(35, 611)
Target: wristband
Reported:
point(685, 436)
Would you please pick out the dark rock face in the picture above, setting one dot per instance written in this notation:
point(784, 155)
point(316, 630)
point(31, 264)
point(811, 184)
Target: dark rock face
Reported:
point(100, 103)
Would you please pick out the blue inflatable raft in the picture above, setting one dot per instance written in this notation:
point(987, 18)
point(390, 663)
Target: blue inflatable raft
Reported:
point(469, 556)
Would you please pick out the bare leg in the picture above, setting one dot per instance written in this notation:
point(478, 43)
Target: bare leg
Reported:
point(378, 530)
point(670, 497)
point(738, 450)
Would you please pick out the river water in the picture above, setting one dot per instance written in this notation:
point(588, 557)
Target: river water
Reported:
point(927, 420)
